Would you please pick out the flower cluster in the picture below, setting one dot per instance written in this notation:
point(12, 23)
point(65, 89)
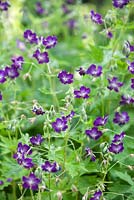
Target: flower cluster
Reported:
point(4, 5)
point(117, 145)
point(12, 72)
point(46, 43)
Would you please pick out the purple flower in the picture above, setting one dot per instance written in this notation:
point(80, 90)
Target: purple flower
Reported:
point(65, 77)
point(22, 150)
point(120, 3)
point(132, 83)
point(59, 125)
point(128, 48)
point(70, 1)
point(118, 138)
point(121, 118)
point(82, 93)
point(114, 84)
point(1, 182)
point(36, 140)
point(90, 154)
point(97, 195)
point(1, 96)
point(2, 76)
point(4, 5)
point(39, 9)
point(38, 110)
point(21, 45)
point(131, 67)
point(109, 34)
point(81, 71)
point(96, 17)
point(116, 148)
point(31, 37)
point(50, 167)
point(50, 42)
point(41, 57)
point(101, 121)
point(17, 61)
point(70, 116)
point(94, 133)
point(12, 72)
point(9, 180)
point(31, 182)
point(94, 71)
point(126, 100)
point(27, 163)
point(65, 9)
point(71, 23)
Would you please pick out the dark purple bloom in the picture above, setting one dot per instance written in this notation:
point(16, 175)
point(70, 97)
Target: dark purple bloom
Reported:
point(132, 83)
point(101, 121)
point(121, 118)
point(50, 167)
point(114, 84)
point(118, 138)
point(12, 72)
point(4, 5)
point(27, 163)
point(22, 151)
point(70, 116)
point(94, 71)
point(116, 148)
point(9, 180)
point(65, 77)
point(97, 195)
point(128, 48)
point(65, 9)
point(96, 17)
point(39, 9)
point(109, 34)
point(81, 71)
point(94, 133)
point(31, 182)
point(36, 140)
point(1, 182)
point(50, 42)
point(71, 23)
point(120, 3)
point(59, 125)
point(2, 76)
point(38, 110)
point(30, 36)
point(131, 67)
point(126, 100)
point(82, 93)
point(42, 57)
point(90, 154)
point(1, 96)
point(18, 61)
point(21, 45)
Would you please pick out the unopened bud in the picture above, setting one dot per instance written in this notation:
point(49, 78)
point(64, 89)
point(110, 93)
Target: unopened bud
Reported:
point(74, 188)
point(59, 195)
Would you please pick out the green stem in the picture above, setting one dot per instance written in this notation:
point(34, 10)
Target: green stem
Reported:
point(49, 179)
point(65, 147)
point(32, 196)
point(14, 190)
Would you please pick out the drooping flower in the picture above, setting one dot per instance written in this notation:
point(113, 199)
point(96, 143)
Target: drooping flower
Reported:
point(31, 37)
point(31, 182)
point(131, 67)
point(97, 195)
point(116, 148)
point(132, 83)
point(126, 99)
point(38, 110)
point(2, 76)
point(60, 125)
point(50, 42)
point(36, 140)
point(82, 93)
point(81, 71)
point(96, 17)
point(114, 84)
point(4, 5)
point(11, 72)
point(128, 48)
point(65, 77)
point(41, 57)
point(109, 34)
point(17, 61)
point(121, 118)
point(94, 71)
point(94, 133)
point(120, 3)
point(90, 154)
point(50, 167)
point(101, 121)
